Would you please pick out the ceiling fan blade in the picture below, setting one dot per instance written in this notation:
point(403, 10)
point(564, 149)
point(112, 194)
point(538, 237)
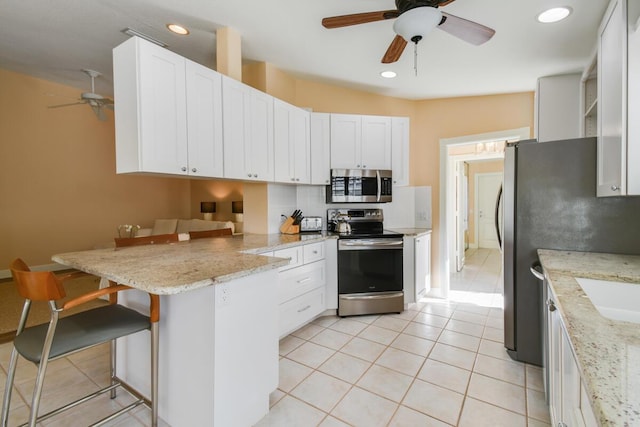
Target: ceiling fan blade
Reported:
point(466, 30)
point(444, 3)
point(395, 50)
point(66, 105)
point(359, 18)
point(99, 113)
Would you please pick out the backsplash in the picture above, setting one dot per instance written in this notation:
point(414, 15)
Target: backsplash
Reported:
point(411, 206)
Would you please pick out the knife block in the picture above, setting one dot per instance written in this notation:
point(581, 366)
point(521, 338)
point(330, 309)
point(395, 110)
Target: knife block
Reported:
point(288, 228)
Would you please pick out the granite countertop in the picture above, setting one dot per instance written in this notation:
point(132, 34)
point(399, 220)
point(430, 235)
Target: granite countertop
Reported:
point(411, 231)
point(178, 267)
point(607, 351)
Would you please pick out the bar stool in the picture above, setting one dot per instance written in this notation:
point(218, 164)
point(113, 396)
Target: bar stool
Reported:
point(63, 336)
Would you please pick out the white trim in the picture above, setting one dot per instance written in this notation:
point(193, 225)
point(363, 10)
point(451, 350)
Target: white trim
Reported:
point(443, 239)
point(6, 274)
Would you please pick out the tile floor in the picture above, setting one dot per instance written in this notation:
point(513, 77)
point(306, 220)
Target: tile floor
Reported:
point(439, 363)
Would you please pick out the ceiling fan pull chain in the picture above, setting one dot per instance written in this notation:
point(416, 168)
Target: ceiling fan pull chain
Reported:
point(415, 40)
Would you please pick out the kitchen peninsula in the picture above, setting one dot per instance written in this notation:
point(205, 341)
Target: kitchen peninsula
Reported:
point(218, 358)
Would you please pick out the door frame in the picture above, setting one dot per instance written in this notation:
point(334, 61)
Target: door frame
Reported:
point(476, 216)
point(446, 225)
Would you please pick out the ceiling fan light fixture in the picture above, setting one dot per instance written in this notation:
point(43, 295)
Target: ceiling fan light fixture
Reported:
point(554, 14)
point(388, 74)
point(416, 23)
point(178, 29)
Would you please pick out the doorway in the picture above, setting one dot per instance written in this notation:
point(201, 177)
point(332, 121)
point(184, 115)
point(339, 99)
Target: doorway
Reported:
point(462, 149)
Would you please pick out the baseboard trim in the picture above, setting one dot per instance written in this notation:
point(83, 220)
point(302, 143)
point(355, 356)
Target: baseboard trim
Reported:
point(473, 246)
point(6, 274)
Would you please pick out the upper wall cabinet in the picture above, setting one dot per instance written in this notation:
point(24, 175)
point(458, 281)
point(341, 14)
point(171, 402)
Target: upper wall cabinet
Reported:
point(248, 132)
point(400, 150)
point(291, 143)
point(168, 116)
point(360, 142)
point(320, 148)
point(619, 100)
point(558, 112)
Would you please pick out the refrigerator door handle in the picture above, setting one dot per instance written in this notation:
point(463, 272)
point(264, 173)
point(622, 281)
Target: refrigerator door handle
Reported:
point(535, 270)
point(497, 217)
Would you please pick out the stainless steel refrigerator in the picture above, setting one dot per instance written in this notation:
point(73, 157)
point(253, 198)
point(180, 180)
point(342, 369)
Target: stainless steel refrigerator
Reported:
point(549, 201)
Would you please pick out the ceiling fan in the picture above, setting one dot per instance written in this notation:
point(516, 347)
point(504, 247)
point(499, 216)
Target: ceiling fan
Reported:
point(94, 100)
point(415, 19)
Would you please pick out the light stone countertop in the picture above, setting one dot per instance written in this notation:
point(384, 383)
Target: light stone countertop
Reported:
point(179, 267)
point(607, 351)
point(415, 232)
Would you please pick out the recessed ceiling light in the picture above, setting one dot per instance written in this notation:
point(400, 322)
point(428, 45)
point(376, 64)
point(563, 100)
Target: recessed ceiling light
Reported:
point(388, 74)
point(178, 29)
point(554, 14)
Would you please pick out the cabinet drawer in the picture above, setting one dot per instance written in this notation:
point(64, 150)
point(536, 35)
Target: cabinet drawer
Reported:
point(297, 281)
point(294, 253)
point(299, 311)
point(313, 252)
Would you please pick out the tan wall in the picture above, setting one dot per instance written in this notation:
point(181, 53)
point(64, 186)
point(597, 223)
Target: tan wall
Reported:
point(58, 187)
point(495, 166)
point(223, 192)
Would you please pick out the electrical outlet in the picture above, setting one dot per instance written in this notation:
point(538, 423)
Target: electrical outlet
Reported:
point(223, 295)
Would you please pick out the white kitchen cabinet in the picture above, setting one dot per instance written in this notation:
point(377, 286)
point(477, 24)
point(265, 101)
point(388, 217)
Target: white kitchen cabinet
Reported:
point(301, 286)
point(558, 107)
point(360, 142)
point(320, 148)
point(204, 121)
point(168, 117)
point(568, 401)
point(292, 143)
point(247, 132)
point(400, 150)
point(416, 267)
point(618, 100)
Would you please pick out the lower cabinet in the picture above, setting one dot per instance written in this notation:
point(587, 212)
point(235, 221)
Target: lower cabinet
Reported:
point(416, 267)
point(569, 404)
point(301, 286)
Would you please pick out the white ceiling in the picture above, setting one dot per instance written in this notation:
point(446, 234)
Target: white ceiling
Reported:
point(55, 39)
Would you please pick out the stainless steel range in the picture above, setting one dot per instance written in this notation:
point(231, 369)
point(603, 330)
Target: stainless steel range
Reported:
point(370, 279)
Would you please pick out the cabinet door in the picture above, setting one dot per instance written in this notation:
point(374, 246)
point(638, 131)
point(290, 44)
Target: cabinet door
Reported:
point(291, 143)
point(555, 361)
point(300, 131)
point(571, 414)
point(162, 107)
point(204, 120)
point(320, 148)
point(235, 103)
point(400, 150)
point(376, 142)
point(422, 266)
point(612, 47)
point(259, 149)
point(346, 137)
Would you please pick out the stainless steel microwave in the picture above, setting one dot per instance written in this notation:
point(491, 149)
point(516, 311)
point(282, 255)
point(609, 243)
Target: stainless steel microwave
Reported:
point(359, 186)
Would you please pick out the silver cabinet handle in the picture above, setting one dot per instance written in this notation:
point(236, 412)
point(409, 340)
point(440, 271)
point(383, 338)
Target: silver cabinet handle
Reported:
point(255, 175)
point(364, 166)
point(357, 166)
point(194, 170)
point(183, 169)
point(615, 188)
point(534, 270)
point(306, 279)
point(249, 175)
point(551, 305)
point(304, 309)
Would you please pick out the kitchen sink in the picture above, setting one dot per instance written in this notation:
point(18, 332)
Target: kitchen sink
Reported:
point(614, 300)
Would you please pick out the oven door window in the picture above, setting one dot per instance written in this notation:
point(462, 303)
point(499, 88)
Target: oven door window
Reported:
point(376, 270)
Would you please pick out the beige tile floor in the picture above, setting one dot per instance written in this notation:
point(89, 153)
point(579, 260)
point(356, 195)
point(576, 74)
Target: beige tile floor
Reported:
point(439, 363)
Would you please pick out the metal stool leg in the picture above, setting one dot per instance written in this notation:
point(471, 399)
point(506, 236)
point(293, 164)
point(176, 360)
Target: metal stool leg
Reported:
point(6, 402)
point(154, 373)
point(112, 367)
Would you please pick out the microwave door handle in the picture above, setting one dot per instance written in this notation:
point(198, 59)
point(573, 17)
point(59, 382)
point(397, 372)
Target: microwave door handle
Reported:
point(379, 186)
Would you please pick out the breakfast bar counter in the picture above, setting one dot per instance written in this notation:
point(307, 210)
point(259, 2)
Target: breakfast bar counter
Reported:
point(218, 357)
point(607, 351)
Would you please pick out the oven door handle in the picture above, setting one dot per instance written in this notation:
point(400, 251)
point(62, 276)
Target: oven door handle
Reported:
point(371, 295)
point(358, 245)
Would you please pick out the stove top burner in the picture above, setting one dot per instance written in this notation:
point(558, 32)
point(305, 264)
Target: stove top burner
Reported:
point(365, 223)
